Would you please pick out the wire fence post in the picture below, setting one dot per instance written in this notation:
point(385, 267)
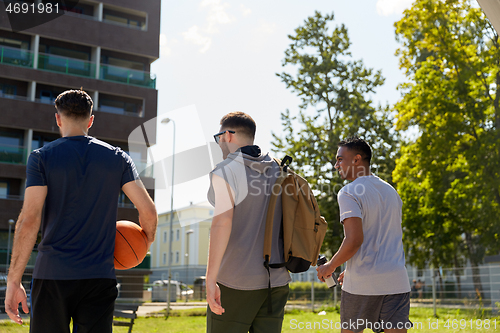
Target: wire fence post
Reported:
point(494, 272)
point(312, 292)
point(434, 290)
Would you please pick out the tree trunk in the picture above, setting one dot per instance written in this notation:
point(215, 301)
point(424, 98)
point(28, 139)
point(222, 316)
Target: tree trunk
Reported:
point(476, 277)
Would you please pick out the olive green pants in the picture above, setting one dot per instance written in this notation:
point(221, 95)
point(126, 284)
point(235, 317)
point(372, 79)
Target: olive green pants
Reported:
point(246, 311)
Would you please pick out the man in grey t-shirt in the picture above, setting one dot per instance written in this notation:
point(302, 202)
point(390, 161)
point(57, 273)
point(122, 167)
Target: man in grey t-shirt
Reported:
point(375, 284)
point(240, 190)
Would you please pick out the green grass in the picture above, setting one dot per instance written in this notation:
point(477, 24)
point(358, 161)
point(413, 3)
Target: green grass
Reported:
point(191, 321)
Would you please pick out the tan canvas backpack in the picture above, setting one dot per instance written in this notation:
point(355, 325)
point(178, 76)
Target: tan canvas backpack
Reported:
point(303, 227)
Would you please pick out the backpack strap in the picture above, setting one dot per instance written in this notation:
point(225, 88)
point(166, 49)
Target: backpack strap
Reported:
point(276, 189)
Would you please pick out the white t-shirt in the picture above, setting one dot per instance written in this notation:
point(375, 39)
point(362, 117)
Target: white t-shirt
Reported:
point(378, 268)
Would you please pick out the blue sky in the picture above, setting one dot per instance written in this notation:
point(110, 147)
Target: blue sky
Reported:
point(219, 56)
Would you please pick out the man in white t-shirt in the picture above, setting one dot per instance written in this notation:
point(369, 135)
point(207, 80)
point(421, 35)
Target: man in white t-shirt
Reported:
point(375, 284)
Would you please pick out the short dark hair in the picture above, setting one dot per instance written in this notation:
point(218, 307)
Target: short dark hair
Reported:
point(75, 104)
point(358, 145)
point(240, 122)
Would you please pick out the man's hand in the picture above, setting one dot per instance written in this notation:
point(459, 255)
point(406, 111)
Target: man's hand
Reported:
point(341, 278)
point(213, 298)
point(148, 218)
point(325, 271)
point(14, 295)
point(353, 239)
point(27, 227)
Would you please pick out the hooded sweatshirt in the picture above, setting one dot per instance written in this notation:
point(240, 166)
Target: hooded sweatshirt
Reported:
point(251, 178)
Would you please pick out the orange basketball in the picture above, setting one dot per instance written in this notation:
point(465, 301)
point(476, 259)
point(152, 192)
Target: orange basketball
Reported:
point(131, 245)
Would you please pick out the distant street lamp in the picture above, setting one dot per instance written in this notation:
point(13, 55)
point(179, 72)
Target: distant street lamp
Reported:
point(189, 232)
point(11, 223)
point(166, 121)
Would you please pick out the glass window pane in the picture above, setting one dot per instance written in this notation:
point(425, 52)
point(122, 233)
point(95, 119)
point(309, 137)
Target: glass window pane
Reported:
point(4, 189)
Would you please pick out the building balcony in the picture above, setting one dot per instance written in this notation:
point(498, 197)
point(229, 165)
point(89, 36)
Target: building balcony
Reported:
point(12, 154)
point(71, 66)
point(127, 76)
point(16, 57)
point(77, 67)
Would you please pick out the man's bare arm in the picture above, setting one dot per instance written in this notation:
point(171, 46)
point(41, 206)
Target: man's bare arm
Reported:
point(353, 230)
point(219, 237)
point(148, 218)
point(27, 228)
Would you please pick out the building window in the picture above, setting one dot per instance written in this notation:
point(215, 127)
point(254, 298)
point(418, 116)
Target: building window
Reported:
point(171, 235)
point(7, 89)
point(178, 234)
point(47, 97)
point(164, 258)
point(176, 257)
point(11, 146)
point(120, 105)
point(14, 43)
point(164, 237)
point(126, 19)
point(10, 188)
point(41, 139)
point(47, 94)
point(4, 189)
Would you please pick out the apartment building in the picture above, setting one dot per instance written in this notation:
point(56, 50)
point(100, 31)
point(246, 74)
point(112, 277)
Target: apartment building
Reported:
point(105, 47)
point(189, 237)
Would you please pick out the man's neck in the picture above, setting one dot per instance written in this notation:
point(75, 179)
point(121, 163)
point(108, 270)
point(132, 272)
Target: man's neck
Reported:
point(73, 132)
point(362, 172)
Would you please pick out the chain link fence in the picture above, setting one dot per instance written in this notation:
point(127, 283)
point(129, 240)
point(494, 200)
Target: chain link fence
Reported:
point(467, 288)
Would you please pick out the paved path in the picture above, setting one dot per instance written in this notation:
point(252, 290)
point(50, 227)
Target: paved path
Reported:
point(147, 308)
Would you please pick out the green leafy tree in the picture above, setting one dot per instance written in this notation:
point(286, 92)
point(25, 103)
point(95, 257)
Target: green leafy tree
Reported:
point(334, 91)
point(449, 178)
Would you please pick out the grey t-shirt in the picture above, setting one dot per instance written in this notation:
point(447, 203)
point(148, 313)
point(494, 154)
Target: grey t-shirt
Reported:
point(378, 268)
point(251, 179)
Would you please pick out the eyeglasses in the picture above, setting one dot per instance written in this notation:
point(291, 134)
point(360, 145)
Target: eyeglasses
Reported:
point(217, 136)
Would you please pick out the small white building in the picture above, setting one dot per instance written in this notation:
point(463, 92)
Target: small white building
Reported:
point(190, 234)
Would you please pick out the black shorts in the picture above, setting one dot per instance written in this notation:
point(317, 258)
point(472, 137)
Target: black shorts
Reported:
point(358, 312)
point(90, 303)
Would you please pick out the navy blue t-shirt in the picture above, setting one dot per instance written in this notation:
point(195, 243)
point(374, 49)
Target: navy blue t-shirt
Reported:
point(83, 176)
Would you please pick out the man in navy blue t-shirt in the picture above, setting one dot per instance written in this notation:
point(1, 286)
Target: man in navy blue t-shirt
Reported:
point(78, 179)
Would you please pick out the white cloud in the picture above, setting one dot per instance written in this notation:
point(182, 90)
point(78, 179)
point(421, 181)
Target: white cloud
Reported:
point(165, 50)
point(389, 7)
point(194, 36)
point(245, 10)
point(266, 28)
point(217, 16)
